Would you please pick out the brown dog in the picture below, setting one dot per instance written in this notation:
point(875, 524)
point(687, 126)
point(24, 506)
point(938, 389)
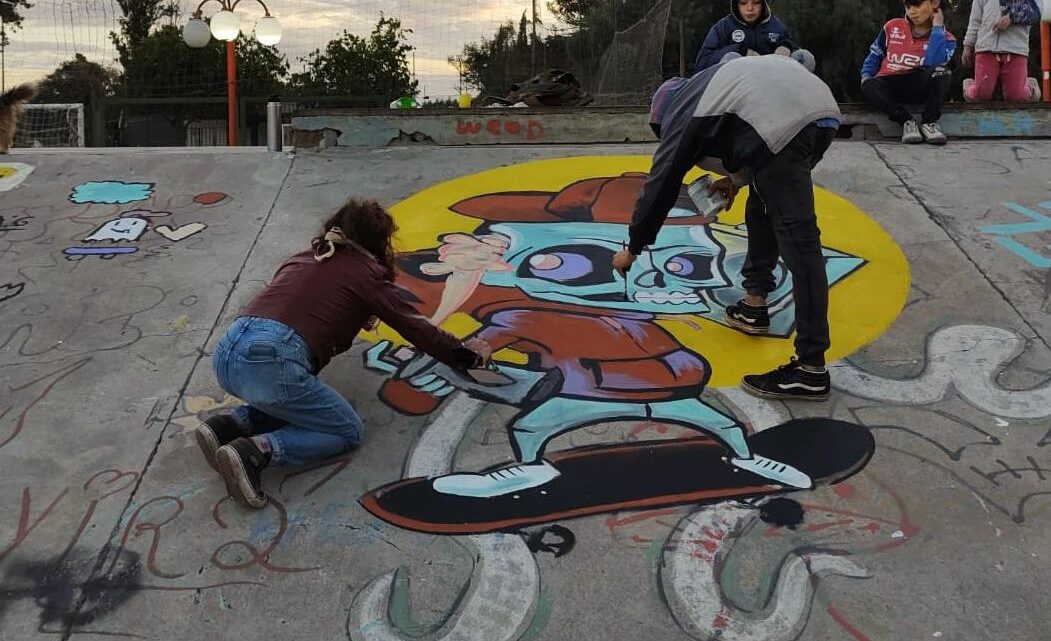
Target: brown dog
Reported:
point(10, 107)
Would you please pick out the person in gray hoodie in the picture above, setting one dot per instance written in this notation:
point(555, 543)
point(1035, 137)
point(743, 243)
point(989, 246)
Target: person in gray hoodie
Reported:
point(999, 50)
point(723, 120)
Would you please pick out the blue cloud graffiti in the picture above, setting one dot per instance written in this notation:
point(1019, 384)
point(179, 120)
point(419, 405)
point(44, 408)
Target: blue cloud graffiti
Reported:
point(110, 192)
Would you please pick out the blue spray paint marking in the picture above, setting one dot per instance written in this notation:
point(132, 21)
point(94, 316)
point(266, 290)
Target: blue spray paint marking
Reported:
point(1041, 223)
point(1010, 123)
point(112, 192)
point(98, 251)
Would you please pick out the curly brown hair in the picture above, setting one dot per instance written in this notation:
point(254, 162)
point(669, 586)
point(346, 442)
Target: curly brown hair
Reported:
point(366, 223)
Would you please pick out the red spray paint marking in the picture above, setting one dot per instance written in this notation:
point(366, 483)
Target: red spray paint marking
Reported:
point(843, 623)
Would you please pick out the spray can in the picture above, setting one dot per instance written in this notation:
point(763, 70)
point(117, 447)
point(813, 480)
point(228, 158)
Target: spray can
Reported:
point(708, 205)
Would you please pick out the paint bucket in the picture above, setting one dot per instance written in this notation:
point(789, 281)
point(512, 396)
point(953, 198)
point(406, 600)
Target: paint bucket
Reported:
point(464, 100)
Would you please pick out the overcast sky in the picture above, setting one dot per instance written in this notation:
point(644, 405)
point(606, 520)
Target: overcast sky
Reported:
point(54, 30)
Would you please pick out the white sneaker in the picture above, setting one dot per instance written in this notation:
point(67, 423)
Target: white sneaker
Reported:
point(1034, 89)
point(932, 133)
point(498, 482)
point(782, 473)
point(910, 133)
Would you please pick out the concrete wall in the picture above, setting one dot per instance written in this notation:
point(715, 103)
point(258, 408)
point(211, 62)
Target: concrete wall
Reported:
point(375, 129)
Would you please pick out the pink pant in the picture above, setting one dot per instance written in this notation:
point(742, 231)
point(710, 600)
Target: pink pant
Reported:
point(1009, 68)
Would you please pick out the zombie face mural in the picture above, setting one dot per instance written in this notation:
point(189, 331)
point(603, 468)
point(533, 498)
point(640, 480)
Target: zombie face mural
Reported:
point(530, 272)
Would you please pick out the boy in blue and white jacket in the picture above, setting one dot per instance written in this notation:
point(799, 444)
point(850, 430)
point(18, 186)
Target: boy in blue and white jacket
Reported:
point(749, 30)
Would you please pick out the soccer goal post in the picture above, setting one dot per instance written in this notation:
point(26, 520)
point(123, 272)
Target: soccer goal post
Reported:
point(51, 125)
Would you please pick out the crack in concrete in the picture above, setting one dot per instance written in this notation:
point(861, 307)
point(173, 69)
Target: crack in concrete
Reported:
point(937, 219)
point(68, 626)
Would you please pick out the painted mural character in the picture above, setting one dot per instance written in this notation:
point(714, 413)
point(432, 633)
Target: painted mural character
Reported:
point(123, 229)
point(537, 275)
point(723, 120)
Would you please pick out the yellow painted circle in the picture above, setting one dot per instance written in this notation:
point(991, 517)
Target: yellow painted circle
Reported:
point(862, 305)
point(7, 171)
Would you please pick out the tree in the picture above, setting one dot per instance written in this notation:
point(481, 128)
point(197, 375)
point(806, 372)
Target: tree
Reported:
point(78, 81)
point(376, 66)
point(139, 18)
point(11, 17)
point(492, 65)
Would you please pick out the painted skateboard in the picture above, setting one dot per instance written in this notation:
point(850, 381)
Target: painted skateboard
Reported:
point(642, 475)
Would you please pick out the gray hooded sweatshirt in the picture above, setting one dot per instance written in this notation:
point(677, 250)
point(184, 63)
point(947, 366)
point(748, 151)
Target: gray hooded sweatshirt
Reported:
point(982, 36)
point(730, 119)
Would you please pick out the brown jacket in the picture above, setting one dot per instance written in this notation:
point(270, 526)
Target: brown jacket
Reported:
point(330, 301)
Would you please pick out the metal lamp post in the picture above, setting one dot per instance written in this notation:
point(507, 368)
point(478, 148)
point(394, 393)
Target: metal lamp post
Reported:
point(226, 26)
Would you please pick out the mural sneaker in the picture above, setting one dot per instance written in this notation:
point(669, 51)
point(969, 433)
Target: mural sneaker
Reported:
point(932, 133)
point(241, 463)
point(789, 382)
point(498, 482)
point(748, 319)
point(215, 432)
point(910, 133)
point(782, 473)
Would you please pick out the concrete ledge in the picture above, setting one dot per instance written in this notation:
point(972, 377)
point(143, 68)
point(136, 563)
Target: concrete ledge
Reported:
point(588, 125)
point(363, 128)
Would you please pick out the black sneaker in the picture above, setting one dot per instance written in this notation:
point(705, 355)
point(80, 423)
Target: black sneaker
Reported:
point(241, 463)
point(789, 382)
point(215, 432)
point(748, 319)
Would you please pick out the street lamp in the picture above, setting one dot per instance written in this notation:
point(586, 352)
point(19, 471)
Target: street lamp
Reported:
point(226, 26)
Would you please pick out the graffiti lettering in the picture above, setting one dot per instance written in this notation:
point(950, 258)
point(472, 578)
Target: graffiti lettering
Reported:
point(501, 127)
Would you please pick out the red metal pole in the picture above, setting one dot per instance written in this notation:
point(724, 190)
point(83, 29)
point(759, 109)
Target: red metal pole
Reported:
point(1045, 57)
point(231, 93)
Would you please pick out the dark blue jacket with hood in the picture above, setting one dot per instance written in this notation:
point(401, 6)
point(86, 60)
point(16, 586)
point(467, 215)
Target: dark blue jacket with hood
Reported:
point(733, 34)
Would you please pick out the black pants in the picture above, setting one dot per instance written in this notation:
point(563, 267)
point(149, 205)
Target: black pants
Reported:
point(782, 223)
point(891, 94)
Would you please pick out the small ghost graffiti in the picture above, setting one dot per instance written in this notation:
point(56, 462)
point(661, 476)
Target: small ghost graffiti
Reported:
point(121, 229)
point(118, 230)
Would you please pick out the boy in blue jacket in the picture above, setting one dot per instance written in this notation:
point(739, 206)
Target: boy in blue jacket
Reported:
point(750, 30)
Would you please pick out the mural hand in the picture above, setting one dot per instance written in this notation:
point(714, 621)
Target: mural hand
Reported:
point(386, 357)
point(467, 253)
point(432, 384)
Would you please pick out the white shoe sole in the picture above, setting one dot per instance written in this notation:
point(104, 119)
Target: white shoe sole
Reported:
point(238, 485)
point(778, 396)
point(206, 440)
point(746, 328)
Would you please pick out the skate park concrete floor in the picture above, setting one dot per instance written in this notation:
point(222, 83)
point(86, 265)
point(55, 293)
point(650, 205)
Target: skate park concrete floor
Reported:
point(112, 525)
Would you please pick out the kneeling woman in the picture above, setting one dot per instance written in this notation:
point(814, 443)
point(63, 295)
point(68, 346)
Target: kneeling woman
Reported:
point(271, 355)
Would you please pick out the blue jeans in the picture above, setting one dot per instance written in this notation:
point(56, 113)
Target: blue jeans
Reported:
point(270, 367)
